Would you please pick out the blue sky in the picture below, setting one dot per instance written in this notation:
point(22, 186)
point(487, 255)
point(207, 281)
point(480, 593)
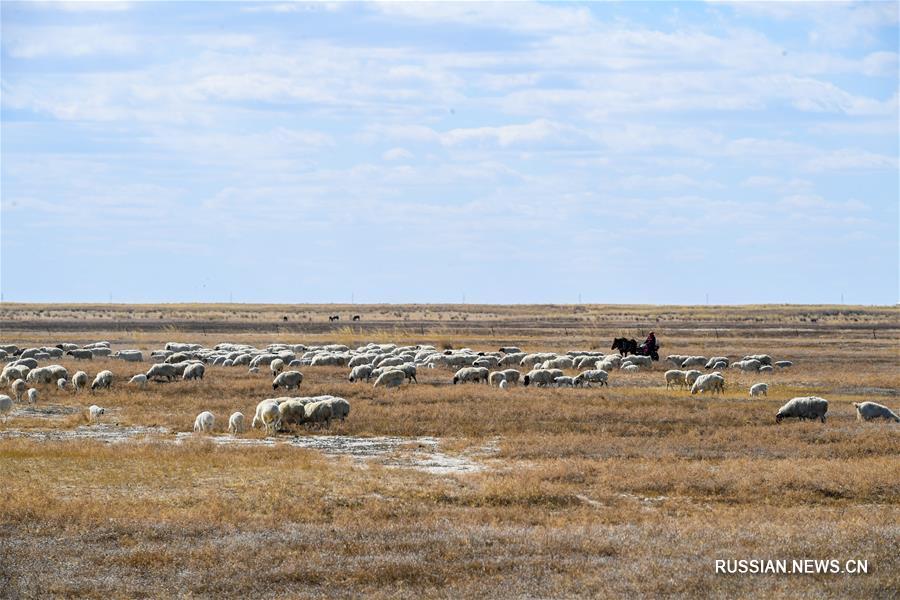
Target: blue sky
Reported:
point(413, 152)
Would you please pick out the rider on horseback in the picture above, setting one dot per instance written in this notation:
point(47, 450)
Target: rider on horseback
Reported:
point(650, 346)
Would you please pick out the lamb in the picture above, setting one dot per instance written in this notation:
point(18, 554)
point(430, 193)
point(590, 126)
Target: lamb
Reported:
point(94, 412)
point(722, 364)
point(61, 384)
point(139, 380)
point(784, 364)
point(804, 407)
point(496, 378)
point(716, 360)
point(360, 372)
point(204, 422)
point(759, 389)
point(236, 423)
point(267, 415)
point(162, 370)
point(102, 380)
point(539, 377)
point(391, 378)
point(564, 381)
point(6, 404)
point(79, 380)
point(277, 366)
point(18, 388)
point(711, 382)
point(81, 354)
point(872, 410)
point(193, 371)
point(675, 377)
point(511, 376)
point(32, 396)
point(630, 368)
point(593, 376)
point(288, 380)
point(471, 374)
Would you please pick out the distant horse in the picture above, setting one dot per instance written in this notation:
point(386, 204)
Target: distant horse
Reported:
point(334, 318)
point(625, 346)
point(356, 317)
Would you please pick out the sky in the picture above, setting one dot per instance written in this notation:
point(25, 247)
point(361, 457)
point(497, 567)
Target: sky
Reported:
point(650, 153)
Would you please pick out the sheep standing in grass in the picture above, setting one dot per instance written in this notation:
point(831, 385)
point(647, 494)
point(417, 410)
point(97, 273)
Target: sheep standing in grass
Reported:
point(540, 377)
point(139, 380)
point(471, 374)
point(320, 412)
point(711, 382)
point(79, 381)
point(102, 381)
point(872, 410)
point(6, 405)
point(162, 370)
point(277, 366)
point(495, 378)
point(759, 389)
point(32, 396)
point(204, 422)
point(360, 372)
point(630, 368)
point(511, 376)
point(691, 376)
point(593, 376)
point(95, 412)
point(675, 377)
point(61, 384)
point(288, 380)
point(292, 411)
point(392, 378)
point(267, 415)
point(236, 423)
point(193, 371)
point(504, 384)
point(804, 407)
point(564, 381)
point(18, 388)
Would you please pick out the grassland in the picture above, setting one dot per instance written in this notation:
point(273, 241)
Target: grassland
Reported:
point(603, 492)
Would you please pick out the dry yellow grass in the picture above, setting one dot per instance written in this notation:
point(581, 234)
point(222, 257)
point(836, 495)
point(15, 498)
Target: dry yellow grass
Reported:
point(603, 492)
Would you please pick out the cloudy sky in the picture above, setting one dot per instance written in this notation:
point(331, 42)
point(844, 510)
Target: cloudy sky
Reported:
point(508, 152)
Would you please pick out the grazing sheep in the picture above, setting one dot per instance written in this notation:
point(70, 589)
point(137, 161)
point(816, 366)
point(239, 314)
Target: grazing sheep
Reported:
point(540, 377)
point(675, 377)
point(676, 359)
point(804, 407)
point(693, 361)
point(81, 354)
point(561, 362)
point(717, 360)
point(496, 378)
point(691, 376)
point(95, 412)
point(79, 380)
point(391, 378)
point(504, 384)
point(102, 380)
point(288, 380)
point(872, 410)
point(267, 415)
point(764, 359)
point(784, 364)
point(592, 376)
point(129, 355)
point(236, 423)
point(510, 350)
point(193, 371)
point(11, 372)
point(564, 381)
point(630, 368)
point(277, 366)
point(749, 365)
point(511, 375)
point(722, 364)
point(204, 422)
point(139, 380)
point(32, 396)
point(18, 388)
point(360, 372)
point(340, 408)
point(759, 389)
point(711, 382)
point(321, 412)
point(162, 370)
point(488, 362)
point(471, 374)
point(292, 411)
point(641, 361)
point(6, 404)
point(61, 384)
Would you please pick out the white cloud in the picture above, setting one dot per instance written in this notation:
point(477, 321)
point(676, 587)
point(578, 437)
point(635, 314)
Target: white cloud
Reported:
point(851, 159)
point(75, 41)
point(397, 154)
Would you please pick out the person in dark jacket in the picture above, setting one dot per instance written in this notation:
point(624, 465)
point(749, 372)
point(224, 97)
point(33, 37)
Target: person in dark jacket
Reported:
point(650, 346)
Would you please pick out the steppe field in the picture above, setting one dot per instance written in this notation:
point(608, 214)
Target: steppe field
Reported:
point(466, 491)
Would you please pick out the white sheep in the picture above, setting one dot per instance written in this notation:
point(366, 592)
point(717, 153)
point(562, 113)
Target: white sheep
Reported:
point(716, 362)
point(79, 380)
point(630, 368)
point(18, 388)
point(675, 377)
point(749, 365)
point(253, 370)
point(277, 366)
point(288, 380)
point(711, 382)
point(391, 378)
point(641, 361)
point(6, 405)
point(61, 384)
point(496, 378)
point(592, 376)
point(32, 396)
point(321, 412)
point(94, 412)
point(139, 380)
point(193, 371)
point(759, 389)
point(103, 379)
point(540, 377)
point(504, 384)
point(162, 370)
point(236, 423)
point(691, 376)
point(204, 422)
point(804, 407)
point(693, 361)
point(511, 376)
point(360, 372)
point(267, 415)
point(872, 410)
point(473, 374)
point(564, 381)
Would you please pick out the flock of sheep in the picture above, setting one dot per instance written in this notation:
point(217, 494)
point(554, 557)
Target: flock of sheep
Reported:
point(389, 365)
